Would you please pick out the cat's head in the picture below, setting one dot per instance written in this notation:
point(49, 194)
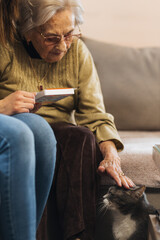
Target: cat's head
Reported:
point(121, 197)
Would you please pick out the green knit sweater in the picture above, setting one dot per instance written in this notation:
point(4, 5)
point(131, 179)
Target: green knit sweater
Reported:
point(77, 70)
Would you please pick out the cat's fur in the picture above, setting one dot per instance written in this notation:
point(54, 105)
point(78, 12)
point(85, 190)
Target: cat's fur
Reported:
point(125, 213)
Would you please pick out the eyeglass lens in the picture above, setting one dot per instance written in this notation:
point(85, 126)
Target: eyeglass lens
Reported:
point(57, 39)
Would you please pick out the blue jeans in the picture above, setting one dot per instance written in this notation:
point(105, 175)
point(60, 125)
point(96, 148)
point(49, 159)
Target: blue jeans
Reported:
point(27, 162)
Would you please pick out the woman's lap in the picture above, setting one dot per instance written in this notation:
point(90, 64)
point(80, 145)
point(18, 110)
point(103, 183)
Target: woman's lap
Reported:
point(27, 154)
point(73, 197)
point(17, 170)
point(45, 152)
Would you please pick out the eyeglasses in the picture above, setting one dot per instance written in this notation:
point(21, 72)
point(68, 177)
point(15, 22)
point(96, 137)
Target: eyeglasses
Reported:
point(55, 39)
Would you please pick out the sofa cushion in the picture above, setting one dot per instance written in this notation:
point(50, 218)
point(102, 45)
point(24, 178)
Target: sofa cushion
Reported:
point(137, 162)
point(130, 80)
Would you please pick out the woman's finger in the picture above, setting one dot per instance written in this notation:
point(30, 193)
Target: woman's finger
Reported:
point(130, 182)
point(111, 171)
point(29, 100)
point(124, 182)
point(28, 94)
point(29, 106)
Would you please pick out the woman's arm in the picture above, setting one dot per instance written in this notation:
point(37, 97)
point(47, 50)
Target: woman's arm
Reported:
point(112, 164)
point(17, 102)
point(90, 112)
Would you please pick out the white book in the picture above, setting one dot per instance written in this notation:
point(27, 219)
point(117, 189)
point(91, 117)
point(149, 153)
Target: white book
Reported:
point(53, 94)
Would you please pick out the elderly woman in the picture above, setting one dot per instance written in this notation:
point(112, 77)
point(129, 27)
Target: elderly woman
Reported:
point(48, 54)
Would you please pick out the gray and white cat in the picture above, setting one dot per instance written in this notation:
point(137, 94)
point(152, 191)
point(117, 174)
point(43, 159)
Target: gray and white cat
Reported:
point(124, 214)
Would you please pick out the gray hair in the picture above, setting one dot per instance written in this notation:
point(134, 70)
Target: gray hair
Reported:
point(34, 13)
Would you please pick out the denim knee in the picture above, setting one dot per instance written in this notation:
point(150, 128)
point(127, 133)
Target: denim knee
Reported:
point(39, 126)
point(15, 132)
point(45, 142)
point(84, 132)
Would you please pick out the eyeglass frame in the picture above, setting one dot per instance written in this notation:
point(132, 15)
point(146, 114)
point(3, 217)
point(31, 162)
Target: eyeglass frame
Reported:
point(60, 36)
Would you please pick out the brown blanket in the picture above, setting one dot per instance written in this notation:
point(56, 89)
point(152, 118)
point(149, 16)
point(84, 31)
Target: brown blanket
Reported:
point(71, 208)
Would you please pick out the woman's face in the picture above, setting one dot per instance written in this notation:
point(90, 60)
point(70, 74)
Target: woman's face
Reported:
point(62, 23)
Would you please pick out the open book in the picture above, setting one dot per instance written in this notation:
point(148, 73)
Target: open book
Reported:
point(53, 94)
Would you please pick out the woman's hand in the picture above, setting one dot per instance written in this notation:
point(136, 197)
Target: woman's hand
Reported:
point(18, 102)
point(112, 165)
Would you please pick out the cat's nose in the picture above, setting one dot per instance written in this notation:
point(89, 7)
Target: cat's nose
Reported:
point(105, 196)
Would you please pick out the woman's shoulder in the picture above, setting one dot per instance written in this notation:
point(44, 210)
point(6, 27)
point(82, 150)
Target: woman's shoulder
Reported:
point(80, 44)
point(79, 47)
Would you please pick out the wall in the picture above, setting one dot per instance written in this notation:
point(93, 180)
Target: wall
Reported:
point(126, 22)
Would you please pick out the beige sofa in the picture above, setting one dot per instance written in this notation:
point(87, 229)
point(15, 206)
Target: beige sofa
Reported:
point(130, 80)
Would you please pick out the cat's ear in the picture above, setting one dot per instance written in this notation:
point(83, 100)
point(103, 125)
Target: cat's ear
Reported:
point(139, 192)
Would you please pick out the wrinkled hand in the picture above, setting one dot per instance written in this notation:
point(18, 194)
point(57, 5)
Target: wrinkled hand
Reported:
point(112, 165)
point(113, 168)
point(18, 102)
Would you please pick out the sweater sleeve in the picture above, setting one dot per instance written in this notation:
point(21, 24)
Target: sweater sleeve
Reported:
point(90, 111)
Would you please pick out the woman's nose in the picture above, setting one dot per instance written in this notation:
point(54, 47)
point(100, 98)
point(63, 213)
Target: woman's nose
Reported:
point(62, 46)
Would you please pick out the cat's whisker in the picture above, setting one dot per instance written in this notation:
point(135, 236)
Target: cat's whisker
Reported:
point(103, 207)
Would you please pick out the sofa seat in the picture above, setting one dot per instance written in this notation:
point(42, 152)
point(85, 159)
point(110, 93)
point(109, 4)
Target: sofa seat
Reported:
point(137, 161)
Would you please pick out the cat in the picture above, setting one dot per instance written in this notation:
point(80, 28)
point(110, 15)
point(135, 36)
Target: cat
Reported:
point(124, 214)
